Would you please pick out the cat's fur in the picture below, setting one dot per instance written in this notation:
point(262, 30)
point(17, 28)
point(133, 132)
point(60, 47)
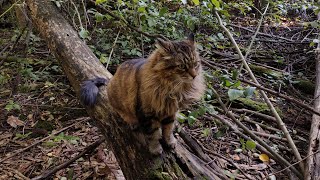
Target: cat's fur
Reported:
point(149, 92)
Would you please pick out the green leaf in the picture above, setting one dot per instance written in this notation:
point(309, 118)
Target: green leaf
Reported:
point(210, 109)
point(216, 3)
point(234, 94)
point(237, 84)
point(99, 17)
point(206, 132)
point(142, 9)
point(235, 74)
point(248, 92)
point(191, 120)
point(196, 2)
point(202, 111)
point(100, 1)
point(84, 34)
point(181, 117)
point(250, 145)
point(163, 11)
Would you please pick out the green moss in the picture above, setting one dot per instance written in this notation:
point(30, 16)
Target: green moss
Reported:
point(262, 70)
point(158, 175)
point(257, 106)
point(305, 86)
point(177, 169)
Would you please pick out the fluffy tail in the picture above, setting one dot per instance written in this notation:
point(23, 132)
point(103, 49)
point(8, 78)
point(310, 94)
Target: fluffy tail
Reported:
point(90, 89)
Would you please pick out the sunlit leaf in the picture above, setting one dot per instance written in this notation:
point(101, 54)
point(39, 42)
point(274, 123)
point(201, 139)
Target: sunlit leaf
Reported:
point(216, 3)
point(100, 1)
point(196, 2)
point(264, 158)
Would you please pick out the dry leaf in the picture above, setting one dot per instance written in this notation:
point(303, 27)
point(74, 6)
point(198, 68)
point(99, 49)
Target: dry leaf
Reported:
point(264, 158)
point(14, 121)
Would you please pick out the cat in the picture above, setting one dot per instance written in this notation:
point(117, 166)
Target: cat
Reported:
point(147, 93)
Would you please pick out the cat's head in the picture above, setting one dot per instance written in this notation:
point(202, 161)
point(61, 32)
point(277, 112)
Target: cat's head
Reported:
point(178, 59)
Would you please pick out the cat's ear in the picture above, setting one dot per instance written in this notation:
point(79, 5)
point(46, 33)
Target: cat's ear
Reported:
point(191, 39)
point(166, 45)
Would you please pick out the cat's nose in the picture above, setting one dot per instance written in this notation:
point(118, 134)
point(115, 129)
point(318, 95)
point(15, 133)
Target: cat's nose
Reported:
point(193, 73)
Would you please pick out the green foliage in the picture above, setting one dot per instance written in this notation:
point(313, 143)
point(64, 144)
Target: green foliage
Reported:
point(63, 137)
point(249, 145)
point(12, 106)
point(23, 136)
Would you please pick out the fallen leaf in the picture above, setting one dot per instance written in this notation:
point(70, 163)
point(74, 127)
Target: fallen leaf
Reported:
point(14, 121)
point(235, 157)
point(264, 158)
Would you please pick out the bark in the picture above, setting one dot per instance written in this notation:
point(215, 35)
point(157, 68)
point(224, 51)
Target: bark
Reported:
point(313, 160)
point(79, 64)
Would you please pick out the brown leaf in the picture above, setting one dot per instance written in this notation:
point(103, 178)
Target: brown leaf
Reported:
point(14, 121)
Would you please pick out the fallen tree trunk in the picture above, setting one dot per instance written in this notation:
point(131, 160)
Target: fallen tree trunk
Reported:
point(79, 64)
point(313, 159)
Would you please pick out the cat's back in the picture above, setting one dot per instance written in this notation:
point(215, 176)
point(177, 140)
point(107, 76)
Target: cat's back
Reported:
point(124, 85)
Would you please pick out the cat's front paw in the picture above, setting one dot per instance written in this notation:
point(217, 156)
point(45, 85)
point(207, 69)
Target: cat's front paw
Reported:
point(171, 142)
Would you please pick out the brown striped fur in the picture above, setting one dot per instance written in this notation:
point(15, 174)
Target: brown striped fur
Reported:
point(149, 92)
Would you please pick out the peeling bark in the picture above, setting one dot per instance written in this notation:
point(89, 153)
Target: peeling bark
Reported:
point(79, 64)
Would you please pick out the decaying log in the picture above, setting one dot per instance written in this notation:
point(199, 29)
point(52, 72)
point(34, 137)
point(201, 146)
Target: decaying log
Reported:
point(313, 161)
point(79, 64)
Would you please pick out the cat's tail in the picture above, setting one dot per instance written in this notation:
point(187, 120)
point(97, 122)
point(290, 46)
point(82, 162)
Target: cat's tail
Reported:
point(90, 89)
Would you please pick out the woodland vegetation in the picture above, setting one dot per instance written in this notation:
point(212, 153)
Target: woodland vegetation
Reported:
point(259, 117)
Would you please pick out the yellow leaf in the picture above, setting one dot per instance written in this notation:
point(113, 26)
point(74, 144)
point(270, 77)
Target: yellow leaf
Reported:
point(264, 158)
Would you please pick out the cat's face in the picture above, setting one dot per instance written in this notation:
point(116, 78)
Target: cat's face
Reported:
point(180, 59)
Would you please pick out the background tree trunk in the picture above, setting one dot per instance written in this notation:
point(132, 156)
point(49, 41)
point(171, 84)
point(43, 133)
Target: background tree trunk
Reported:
point(313, 161)
point(79, 64)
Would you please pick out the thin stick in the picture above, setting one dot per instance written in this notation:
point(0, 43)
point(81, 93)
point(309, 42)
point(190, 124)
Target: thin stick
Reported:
point(114, 43)
point(265, 97)
point(260, 33)
point(253, 38)
point(87, 150)
point(83, 119)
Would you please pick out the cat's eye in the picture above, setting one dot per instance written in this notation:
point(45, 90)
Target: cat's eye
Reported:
point(181, 66)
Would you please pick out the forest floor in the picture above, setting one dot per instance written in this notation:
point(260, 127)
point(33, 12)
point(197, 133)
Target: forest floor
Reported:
point(36, 101)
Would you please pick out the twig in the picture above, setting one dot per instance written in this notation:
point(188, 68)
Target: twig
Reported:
point(265, 97)
point(269, 136)
point(87, 150)
point(267, 117)
point(253, 38)
point(253, 136)
point(291, 99)
point(114, 44)
point(80, 120)
point(260, 33)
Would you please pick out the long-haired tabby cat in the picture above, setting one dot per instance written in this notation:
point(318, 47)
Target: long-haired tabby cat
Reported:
point(149, 92)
